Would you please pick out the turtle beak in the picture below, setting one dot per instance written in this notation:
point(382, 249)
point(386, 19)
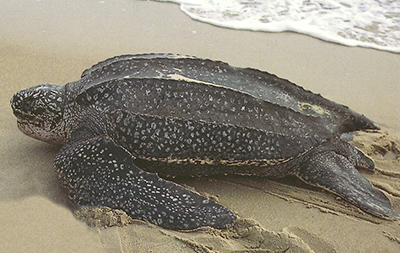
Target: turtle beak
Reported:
point(21, 105)
point(16, 102)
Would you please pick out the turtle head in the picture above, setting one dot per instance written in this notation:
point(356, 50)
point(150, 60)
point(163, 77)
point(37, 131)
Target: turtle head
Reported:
point(39, 111)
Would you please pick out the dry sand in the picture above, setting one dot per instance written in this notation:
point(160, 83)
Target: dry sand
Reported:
point(54, 41)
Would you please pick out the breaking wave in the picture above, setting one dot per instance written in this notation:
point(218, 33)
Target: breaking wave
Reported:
point(366, 23)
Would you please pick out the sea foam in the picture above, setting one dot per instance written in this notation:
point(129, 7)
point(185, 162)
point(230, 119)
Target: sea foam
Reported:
point(365, 23)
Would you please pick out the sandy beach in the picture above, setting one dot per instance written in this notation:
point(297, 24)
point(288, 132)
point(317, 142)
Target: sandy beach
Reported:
point(53, 42)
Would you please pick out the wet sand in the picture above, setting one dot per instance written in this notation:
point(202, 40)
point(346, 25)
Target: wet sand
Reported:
point(53, 42)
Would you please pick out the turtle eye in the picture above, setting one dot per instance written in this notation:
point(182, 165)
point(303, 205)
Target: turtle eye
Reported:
point(39, 110)
point(26, 104)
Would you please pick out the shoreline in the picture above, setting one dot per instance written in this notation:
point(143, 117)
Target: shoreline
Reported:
point(289, 25)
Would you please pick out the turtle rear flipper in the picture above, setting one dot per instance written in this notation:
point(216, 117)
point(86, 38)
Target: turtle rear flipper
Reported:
point(98, 172)
point(332, 166)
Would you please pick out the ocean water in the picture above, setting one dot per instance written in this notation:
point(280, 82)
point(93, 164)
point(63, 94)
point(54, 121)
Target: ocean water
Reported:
point(365, 23)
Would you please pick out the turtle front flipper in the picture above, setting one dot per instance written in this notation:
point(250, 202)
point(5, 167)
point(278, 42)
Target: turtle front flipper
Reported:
point(332, 166)
point(98, 172)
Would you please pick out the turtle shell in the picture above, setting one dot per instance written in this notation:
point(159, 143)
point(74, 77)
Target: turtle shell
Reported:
point(209, 92)
point(335, 118)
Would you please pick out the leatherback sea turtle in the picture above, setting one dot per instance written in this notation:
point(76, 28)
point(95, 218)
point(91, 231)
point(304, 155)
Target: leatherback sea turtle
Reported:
point(133, 116)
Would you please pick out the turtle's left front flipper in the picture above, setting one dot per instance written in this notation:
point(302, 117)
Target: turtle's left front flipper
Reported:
point(98, 172)
point(332, 166)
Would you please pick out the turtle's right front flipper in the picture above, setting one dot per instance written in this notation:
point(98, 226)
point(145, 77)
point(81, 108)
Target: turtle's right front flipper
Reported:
point(98, 172)
point(332, 166)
